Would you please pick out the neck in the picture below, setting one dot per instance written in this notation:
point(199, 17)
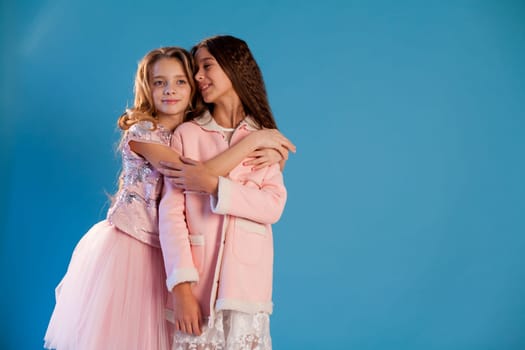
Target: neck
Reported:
point(170, 122)
point(228, 112)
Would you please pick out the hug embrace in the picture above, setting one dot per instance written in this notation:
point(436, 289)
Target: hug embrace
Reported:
point(184, 259)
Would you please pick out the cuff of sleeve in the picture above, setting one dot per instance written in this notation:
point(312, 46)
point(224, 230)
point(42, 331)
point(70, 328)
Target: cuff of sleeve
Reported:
point(220, 204)
point(180, 276)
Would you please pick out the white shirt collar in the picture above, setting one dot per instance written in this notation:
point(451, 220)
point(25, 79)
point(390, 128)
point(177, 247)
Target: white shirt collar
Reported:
point(207, 122)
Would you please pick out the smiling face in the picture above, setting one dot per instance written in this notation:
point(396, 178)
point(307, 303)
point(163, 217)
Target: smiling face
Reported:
point(213, 82)
point(170, 89)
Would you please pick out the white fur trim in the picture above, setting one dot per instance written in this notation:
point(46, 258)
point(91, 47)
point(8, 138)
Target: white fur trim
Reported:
point(196, 240)
point(243, 306)
point(250, 226)
point(221, 203)
point(178, 276)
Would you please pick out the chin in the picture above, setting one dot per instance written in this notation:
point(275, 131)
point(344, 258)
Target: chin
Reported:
point(207, 99)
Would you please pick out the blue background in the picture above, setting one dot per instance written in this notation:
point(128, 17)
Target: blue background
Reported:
point(404, 227)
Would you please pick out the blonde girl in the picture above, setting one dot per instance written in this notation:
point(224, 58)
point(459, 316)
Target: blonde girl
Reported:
point(113, 294)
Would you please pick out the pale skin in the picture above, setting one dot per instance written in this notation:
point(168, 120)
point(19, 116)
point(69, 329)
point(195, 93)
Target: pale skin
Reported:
point(263, 147)
point(203, 176)
point(216, 88)
point(171, 94)
point(274, 147)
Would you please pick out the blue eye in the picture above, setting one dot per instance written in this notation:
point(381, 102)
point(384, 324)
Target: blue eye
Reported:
point(158, 83)
point(181, 82)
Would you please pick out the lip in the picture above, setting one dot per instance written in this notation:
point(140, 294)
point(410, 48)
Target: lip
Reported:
point(170, 101)
point(204, 87)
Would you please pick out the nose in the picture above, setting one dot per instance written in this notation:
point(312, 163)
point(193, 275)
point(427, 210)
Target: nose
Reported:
point(169, 89)
point(199, 76)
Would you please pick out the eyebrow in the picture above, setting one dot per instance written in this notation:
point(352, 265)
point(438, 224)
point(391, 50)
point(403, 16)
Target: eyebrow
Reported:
point(207, 59)
point(162, 76)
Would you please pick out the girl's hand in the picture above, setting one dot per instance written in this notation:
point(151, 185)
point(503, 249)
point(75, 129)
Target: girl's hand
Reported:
point(187, 312)
point(265, 157)
point(272, 138)
point(190, 175)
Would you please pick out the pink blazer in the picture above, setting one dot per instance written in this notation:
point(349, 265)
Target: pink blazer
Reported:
point(224, 244)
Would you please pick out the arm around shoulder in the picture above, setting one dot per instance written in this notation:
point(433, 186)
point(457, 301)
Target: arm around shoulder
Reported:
point(263, 203)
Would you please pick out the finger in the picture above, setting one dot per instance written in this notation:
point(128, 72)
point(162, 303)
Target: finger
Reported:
point(284, 141)
point(260, 166)
point(290, 146)
point(189, 328)
point(260, 163)
point(176, 181)
point(183, 327)
point(286, 154)
point(199, 322)
point(177, 326)
point(257, 153)
point(250, 162)
point(170, 173)
point(169, 165)
point(255, 157)
point(283, 151)
point(189, 161)
point(196, 327)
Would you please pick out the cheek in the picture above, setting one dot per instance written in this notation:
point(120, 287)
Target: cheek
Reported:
point(188, 91)
point(155, 93)
point(156, 98)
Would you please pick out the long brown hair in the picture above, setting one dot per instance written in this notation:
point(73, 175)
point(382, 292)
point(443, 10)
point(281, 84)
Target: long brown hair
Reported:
point(236, 60)
point(143, 106)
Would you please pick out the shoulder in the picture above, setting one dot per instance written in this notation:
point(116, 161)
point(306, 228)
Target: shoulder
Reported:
point(146, 131)
point(194, 125)
point(141, 127)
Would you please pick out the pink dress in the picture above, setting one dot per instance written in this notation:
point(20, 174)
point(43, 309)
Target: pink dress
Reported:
point(113, 295)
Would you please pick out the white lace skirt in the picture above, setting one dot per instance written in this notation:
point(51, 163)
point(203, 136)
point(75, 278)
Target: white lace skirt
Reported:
point(232, 330)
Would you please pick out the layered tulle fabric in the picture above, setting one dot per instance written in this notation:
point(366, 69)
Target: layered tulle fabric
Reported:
point(231, 330)
point(113, 296)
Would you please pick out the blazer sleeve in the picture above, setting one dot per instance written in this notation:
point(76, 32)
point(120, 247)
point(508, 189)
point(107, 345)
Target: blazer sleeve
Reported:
point(262, 203)
point(174, 234)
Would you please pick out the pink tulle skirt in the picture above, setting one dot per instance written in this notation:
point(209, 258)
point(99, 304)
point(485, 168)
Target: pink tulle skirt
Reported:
point(113, 296)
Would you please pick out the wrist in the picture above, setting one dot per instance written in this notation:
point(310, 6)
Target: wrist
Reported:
point(214, 185)
point(255, 141)
point(182, 289)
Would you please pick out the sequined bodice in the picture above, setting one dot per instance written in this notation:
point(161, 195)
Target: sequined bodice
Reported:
point(135, 210)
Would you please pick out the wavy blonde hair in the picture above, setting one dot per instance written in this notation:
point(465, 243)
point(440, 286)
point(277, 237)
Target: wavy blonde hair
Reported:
point(143, 107)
